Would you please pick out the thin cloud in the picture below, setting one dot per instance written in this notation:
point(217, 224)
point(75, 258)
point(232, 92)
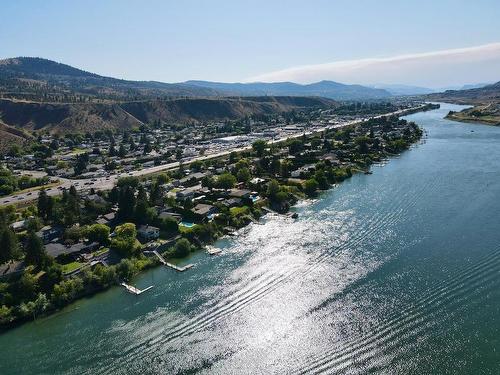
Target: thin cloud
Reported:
point(431, 69)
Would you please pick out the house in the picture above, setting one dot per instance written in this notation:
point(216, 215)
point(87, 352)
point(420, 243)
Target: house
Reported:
point(58, 249)
point(331, 158)
point(188, 193)
point(168, 214)
point(303, 170)
point(193, 178)
point(204, 210)
point(148, 232)
point(185, 194)
point(257, 181)
point(231, 202)
point(95, 199)
point(11, 269)
point(108, 219)
point(240, 193)
point(18, 226)
point(49, 233)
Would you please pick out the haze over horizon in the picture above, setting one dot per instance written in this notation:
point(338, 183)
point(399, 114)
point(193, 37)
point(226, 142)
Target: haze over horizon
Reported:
point(428, 44)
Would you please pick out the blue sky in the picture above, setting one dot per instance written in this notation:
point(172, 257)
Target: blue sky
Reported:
point(242, 40)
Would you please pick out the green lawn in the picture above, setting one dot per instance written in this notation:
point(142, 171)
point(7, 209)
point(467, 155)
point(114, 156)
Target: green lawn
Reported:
point(70, 267)
point(183, 229)
point(237, 211)
point(101, 251)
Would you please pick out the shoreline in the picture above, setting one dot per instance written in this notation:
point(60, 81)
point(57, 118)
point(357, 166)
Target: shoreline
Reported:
point(471, 120)
point(264, 209)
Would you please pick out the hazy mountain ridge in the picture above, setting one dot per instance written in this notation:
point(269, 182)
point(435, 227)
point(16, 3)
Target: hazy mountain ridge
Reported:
point(37, 75)
point(486, 94)
point(32, 75)
point(327, 89)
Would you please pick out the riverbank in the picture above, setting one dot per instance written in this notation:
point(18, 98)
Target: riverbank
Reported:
point(391, 272)
point(275, 176)
point(488, 114)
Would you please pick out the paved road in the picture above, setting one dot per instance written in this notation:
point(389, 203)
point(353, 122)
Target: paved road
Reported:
point(107, 183)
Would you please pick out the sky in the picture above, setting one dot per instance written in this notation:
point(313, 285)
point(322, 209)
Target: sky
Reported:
point(426, 43)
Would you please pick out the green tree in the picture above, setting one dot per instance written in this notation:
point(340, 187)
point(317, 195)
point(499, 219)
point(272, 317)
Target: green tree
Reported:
point(182, 248)
point(125, 241)
point(162, 178)
point(295, 146)
point(311, 187)
point(259, 146)
point(273, 188)
point(43, 204)
point(243, 175)
point(226, 181)
point(98, 233)
point(34, 250)
point(126, 269)
point(126, 203)
point(362, 143)
point(9, 245)
point(122, 152)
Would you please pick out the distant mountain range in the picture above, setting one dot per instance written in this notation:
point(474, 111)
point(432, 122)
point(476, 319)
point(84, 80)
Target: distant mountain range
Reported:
point(36, 78)
point(400, 90)
point(326, 89)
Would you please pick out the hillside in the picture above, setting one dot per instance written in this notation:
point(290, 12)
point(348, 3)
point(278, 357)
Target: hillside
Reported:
point(487, 114)
point(482, 95)
point(37, 79)
point(10, 136)
point(45, 80)
point(89, 117)
point(327, 89)
point(486, 102)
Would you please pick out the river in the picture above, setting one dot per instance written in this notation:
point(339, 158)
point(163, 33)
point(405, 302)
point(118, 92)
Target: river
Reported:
point(392, 273)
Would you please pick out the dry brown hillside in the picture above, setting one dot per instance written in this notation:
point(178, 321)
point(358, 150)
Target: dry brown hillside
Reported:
point(90, 117)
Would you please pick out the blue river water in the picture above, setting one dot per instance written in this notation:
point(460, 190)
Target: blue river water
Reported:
point(397, 272)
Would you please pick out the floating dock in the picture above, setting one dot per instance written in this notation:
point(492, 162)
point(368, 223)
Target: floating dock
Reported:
point(213, 251)
point(179, 269)
point(134, 290)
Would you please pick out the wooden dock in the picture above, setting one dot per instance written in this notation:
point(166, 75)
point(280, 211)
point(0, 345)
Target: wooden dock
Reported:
point(134, 290)
point(179, 269)
point(213, 250)
point(171, 265)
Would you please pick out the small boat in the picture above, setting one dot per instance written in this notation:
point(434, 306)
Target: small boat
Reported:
point(368, 172)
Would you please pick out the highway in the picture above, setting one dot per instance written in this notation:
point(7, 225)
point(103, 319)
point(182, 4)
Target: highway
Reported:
point(107, 183)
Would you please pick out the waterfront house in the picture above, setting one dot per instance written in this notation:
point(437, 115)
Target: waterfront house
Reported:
point(232, 202)
point(303, 170)
point(60, 250)
point(148, 233)
point(203, 211)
